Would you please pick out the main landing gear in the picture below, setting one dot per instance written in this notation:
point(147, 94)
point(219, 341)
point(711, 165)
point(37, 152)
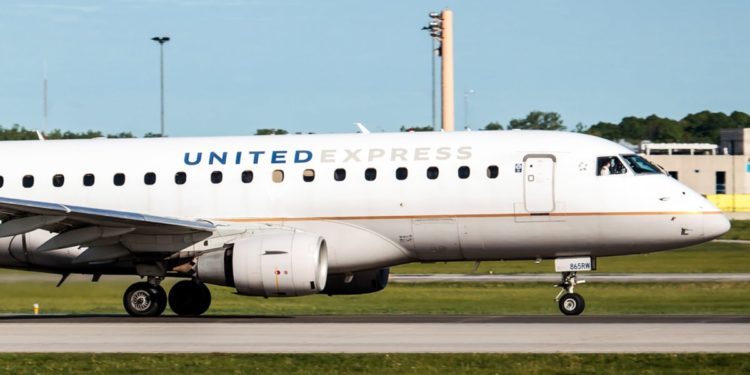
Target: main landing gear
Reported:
point(570, 303)
point(145, 298)
point(187, 297)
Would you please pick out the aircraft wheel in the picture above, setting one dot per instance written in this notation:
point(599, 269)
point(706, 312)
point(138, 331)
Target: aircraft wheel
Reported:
point(189, 297)
point(572, 304)
point(144, 299)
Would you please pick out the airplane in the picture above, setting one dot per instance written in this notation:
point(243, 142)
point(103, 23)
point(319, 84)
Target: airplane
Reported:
point(296, 215)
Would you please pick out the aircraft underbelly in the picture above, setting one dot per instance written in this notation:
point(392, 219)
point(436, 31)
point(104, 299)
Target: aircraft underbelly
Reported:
point(436, 239)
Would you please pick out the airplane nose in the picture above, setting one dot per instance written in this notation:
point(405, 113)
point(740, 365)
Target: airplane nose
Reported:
point(715, 225)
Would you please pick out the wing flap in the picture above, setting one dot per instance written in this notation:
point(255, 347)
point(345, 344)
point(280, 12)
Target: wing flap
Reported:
point(86, 226)
point(77, 216)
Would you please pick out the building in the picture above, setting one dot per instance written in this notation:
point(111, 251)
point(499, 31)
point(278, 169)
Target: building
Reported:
point(720, 172)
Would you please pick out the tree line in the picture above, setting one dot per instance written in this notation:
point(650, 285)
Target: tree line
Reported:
point(700, 127)
point(694, 128)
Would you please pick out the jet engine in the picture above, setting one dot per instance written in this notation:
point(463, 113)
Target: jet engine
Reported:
point(270, 265)
point(361, 282)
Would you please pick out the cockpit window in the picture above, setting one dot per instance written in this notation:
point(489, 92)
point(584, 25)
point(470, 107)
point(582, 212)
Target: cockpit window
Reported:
point(640, 165)
point(607, 165)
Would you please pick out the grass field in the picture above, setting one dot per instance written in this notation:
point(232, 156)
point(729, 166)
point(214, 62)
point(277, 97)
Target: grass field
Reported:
point(708, 257)
point(437, 298)
point(392, 364)
point(740, 230)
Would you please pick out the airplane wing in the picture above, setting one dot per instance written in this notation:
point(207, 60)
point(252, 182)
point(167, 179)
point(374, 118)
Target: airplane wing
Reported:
point(85, 226)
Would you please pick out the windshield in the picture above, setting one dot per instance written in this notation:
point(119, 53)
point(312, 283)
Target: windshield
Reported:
point(640, 165)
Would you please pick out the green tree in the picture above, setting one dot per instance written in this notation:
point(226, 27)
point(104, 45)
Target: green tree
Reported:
point(538, 120)
point(606, 130)
point(121, 135)
point(665, 130)
point(17, 133)
point(741, 119)
point(494, 126)
point(704, 126)
point(271, 131)
point(417, 129)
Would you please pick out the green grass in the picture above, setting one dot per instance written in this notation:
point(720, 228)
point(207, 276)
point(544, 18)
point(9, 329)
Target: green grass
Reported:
point(392, 364)
point(740, 230)
point(432, 298)
point(708, 257)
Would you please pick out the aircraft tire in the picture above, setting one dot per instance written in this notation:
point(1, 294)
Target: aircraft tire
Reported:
point(144, 299)
point(572, 304)
point(189, 297)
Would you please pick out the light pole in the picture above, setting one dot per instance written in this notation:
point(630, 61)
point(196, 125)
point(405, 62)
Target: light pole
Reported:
point(434, 52)
point(441, 29)
point(161, 41)
point(466, 107)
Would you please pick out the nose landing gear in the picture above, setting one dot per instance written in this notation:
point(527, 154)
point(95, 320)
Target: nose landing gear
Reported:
point(569, 302)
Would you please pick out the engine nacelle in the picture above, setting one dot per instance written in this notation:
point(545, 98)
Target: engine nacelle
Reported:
point(361, 282)
point(270, 265)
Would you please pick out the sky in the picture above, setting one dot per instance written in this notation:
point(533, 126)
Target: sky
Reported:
point(234, 66)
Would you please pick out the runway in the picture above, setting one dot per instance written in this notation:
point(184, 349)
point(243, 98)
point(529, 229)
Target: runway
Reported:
point(555, 278)
point(377, 334)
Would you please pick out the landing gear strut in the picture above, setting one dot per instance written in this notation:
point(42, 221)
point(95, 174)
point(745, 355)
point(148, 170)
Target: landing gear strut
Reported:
point(145, 299)
point(189, 297)
point(570, 303)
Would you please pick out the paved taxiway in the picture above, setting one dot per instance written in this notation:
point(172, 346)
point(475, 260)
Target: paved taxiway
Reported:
point(377, 334)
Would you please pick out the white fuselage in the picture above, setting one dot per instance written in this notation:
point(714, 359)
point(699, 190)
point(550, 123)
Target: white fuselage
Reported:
point(527, 195)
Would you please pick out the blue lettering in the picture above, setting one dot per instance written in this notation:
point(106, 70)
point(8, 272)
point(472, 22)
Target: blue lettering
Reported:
point(214, 156)
point(238, 158)
point(298, 156)
point(256, 155)
point(278, 157)
point(197, 159)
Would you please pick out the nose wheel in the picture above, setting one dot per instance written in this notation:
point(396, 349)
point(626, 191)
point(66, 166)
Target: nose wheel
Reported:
point(569, 302)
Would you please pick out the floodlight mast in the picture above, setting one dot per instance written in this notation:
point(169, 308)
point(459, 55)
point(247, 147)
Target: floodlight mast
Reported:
point(441, 28)
point(161, 41)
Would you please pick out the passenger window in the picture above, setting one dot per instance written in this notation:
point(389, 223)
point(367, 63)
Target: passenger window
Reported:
point(278, 176)
point(607, 165)
point(119, 179)
point(492, 171)
point(88, 179)
point(149, 178)
point(370, 174)
point(216, 177)
point(402, 173)
point(432, 173)
point(58, 180)
point(247, 176)
point(464, 172)
point(339, 174)
point(28, 181)
point(2, 181)
point(180, 178)
point(308, 175)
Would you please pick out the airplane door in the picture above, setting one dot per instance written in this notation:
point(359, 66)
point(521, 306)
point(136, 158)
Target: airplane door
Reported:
point(539, 183)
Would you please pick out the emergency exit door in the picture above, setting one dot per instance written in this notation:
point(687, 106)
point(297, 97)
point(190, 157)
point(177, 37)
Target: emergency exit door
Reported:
point(539, 183)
